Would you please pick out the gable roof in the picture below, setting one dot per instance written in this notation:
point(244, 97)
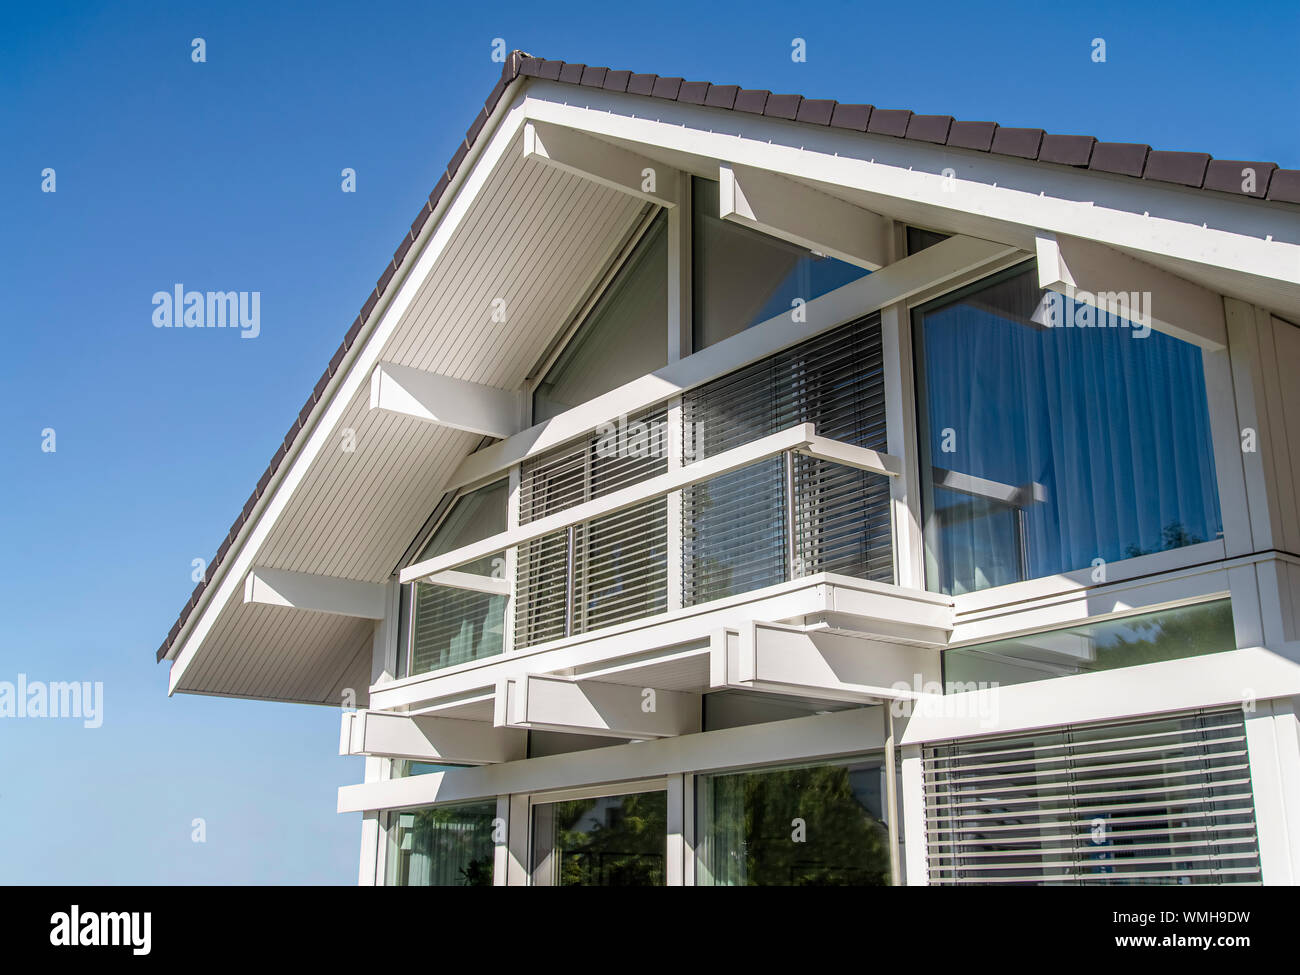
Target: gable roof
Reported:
point(1134, 160)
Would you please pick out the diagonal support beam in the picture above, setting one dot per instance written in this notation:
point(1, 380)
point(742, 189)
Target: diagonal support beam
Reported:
point(1122, 286)
point(427, 738)
point(804, 216)
point(445, 401)
point(317, 594)
point(603, 163)
point(595, 708)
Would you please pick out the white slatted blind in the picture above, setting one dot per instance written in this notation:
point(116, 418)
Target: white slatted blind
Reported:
point(734, 527)
point(602, 571)
point(1161, 801)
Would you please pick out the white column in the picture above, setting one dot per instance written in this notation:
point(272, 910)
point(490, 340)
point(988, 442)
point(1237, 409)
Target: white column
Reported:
point(914, 816)
point(677, 816)
point(1275, 780)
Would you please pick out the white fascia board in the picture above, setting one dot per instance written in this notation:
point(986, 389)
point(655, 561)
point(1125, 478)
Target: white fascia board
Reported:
point(803, 216)
point(588, 707)
point(945, 261)
point(785, 659)
point(797, 436)
point(437, 235)
point(601, 162)
point(316, 594)
point(1233, 677)
point(447, 402)
point(1104, 278)
point(1243, 236)
point(429, 738)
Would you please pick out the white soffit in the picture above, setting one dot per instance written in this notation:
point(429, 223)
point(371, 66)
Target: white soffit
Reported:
point(537, 239)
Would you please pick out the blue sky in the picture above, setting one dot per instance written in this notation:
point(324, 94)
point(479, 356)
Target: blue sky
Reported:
point(225, 175)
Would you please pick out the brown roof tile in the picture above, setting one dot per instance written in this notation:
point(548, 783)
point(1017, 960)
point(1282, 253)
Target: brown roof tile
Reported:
point(972, 135)
point(1017, 142)
point(1187, 168)
point(1239, 176)
point(889, 121)
point(1121, 158)
point(1067, 150)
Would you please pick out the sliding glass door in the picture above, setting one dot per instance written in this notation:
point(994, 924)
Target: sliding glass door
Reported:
point(601, 841)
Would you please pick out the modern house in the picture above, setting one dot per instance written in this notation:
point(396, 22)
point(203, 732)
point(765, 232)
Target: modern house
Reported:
point(724, 487)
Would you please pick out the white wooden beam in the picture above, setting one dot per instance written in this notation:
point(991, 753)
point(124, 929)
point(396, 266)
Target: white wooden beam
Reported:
point(491, 585)
point(803, 216)
point(428, 738)
point(1107, 280)
point(601, 162)
point(784, 659)
point(595, 708)
point(445, 401)
point(317, 594)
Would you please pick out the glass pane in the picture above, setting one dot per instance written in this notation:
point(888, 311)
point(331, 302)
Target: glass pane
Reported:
point(742, 277)
point(453, 626)
point(473, 517)
point(1168, 634)
point(610, 841)
point(733, 532)
point(816, 825)
point(1043, 449)
point(443, 846)
point(625, 336)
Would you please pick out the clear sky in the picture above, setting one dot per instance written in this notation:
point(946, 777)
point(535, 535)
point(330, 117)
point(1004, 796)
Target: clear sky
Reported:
point(225, 175)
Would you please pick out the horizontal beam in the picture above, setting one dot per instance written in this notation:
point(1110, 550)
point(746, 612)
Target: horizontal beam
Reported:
point(797, 213)
point(316, 594)
point(947, 260)
point(851, 455)
point(782, 659)
point(1112, 282)
point(595, 708)
point(600, 162)
point(447, 402)
point(428, 738)
point(491, 585)
point(796, 437)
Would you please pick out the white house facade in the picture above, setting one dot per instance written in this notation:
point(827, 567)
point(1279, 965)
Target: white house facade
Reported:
point(730, 488)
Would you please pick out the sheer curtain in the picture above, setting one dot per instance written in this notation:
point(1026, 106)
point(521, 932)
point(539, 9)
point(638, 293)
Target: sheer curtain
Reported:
point(1044, 449)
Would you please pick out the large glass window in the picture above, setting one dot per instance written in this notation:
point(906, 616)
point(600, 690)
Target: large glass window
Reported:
point(443, 846)
point(812, 825)
point(607, 841)
point(453, 625)
point(1044, 449)
point(1166, 634)
point(742, 277)
point(624, 336)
